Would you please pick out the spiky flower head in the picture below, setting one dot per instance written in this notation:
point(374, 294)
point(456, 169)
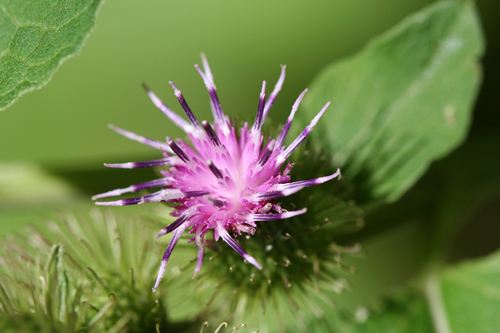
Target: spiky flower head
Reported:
point(223, 181)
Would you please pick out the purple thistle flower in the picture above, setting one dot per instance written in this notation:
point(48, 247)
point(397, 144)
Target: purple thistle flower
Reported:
point(220, 181)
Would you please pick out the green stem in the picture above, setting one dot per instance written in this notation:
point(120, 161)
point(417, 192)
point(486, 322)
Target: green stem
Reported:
point(434, 297)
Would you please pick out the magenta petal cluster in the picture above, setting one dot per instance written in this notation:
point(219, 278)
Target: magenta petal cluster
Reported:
point(223, 180)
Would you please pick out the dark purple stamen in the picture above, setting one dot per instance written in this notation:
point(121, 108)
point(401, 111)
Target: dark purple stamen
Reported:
point(196, 193)
point(174, 117)
point(216, 171)
point(211, 133)
point(185, 106)
point(178, 150)
point(214, 100)
point(217, 203)
point(267, 153)
point(265, 157)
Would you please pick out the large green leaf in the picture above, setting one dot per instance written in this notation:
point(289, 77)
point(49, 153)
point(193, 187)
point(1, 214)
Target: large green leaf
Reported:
point(471, 296)
point(36, 36)
point(402, 102)
point(454, 203)
point(459, 300)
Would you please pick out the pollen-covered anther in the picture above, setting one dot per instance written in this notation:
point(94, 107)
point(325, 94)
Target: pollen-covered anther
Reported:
point(226, 180)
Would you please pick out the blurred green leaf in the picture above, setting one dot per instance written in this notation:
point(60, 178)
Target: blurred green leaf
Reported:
point(402, 102)
point(462, 299)
point(25, 183)
point(35, 38)
point(404, 313)
point(29, 191)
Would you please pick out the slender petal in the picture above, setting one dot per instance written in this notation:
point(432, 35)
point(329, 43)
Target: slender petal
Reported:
point(132, 136)
point(200, 243)
point(284, 131)
point(133, 188)
point(305, 183)
point(275, 92)
point(175, 238)
point(163, 195)
point(186, 108)
point(176, 224)
point(283, 156)
point(148, 164)
point(231, 242)
point(259, 119)
point(214, 99)
point(271, 217)
point(174, 117)
point(199, 261)
point(206, 67)
point(275, 194)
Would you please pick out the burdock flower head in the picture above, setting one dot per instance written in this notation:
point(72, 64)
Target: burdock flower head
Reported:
point(221, 181)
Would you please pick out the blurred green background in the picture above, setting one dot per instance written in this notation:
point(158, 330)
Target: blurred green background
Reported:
point(55, 140)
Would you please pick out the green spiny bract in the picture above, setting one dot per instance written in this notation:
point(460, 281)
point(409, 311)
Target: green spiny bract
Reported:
point(302, 264)
point(81, 274)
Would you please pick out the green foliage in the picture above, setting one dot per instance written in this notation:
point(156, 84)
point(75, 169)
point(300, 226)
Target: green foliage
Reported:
point(459, 299)
point(405, 312)
point(36, 37)
point(402, 102)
